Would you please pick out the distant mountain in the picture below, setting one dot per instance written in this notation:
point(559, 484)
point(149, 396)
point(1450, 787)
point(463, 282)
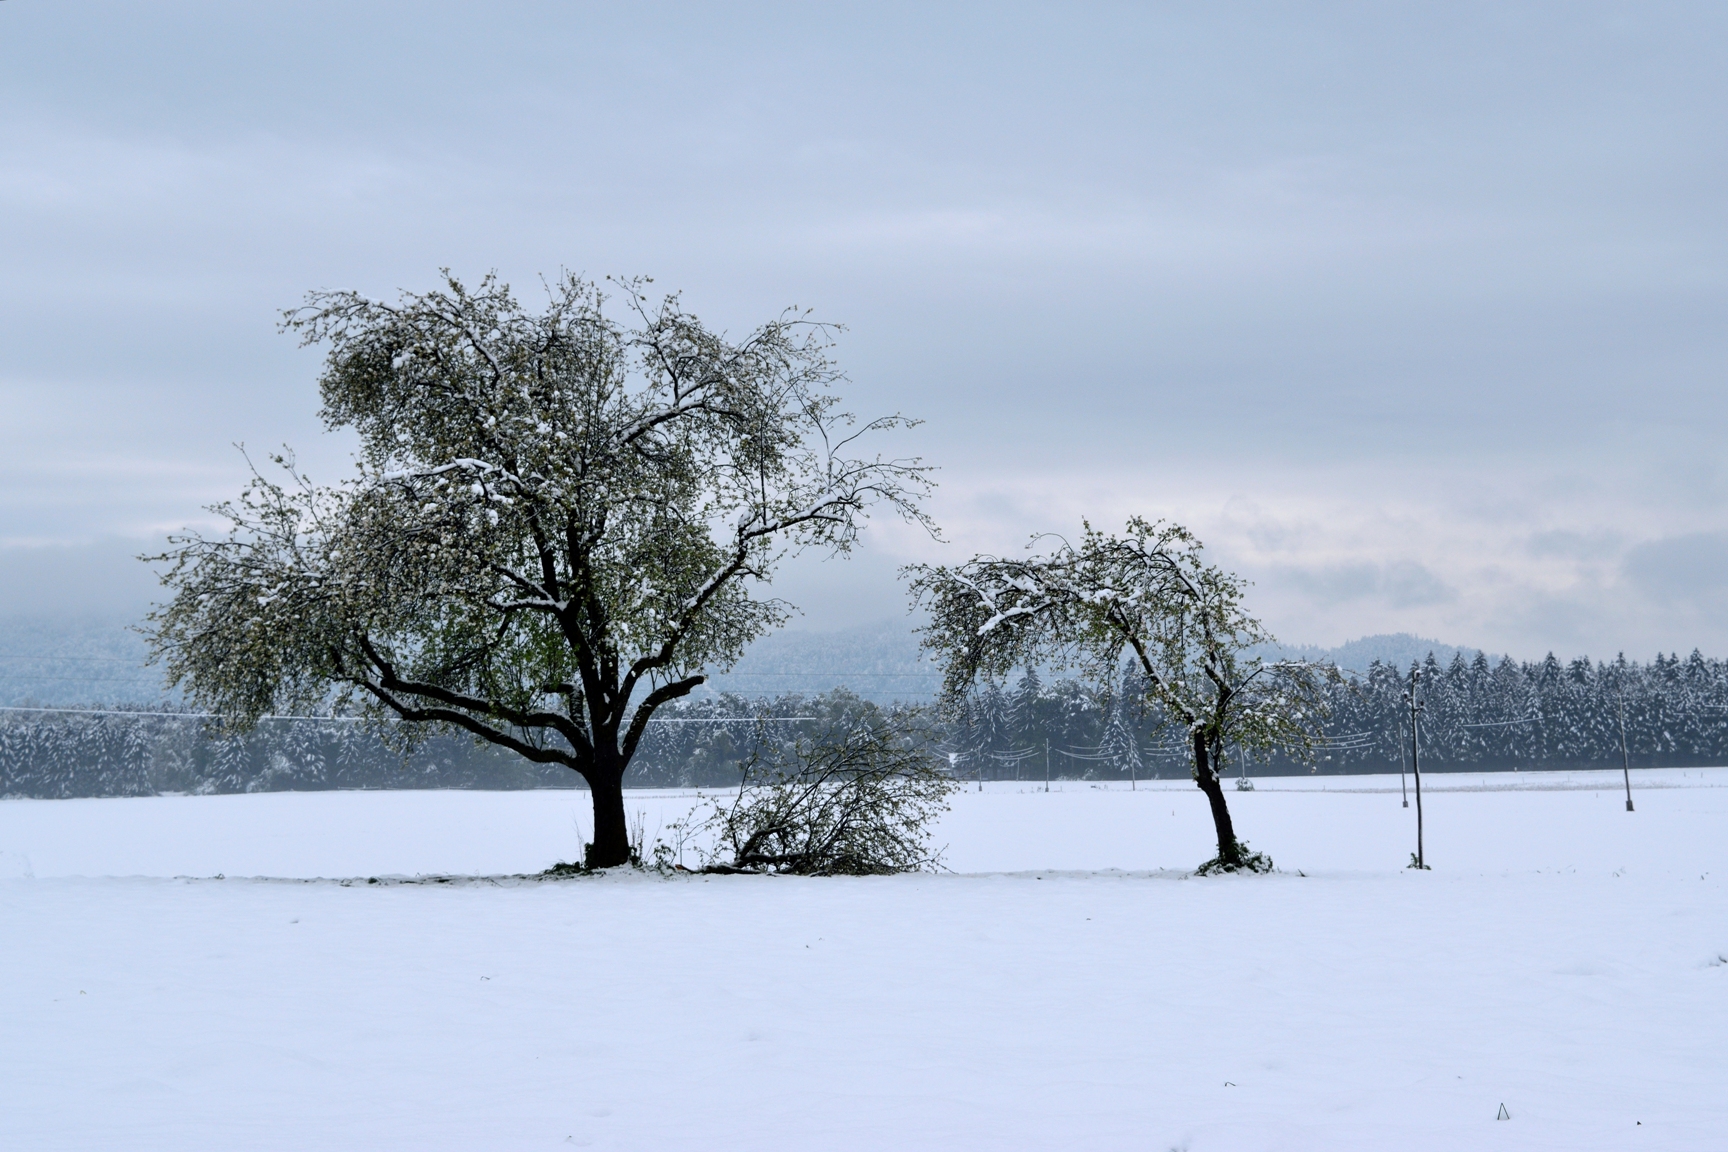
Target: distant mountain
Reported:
point(78, 662)
point(879, 662)
point(1398, 649)
point(74, 662)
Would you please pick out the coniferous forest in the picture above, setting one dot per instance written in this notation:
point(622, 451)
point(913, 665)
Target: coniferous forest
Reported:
point(1473, 715)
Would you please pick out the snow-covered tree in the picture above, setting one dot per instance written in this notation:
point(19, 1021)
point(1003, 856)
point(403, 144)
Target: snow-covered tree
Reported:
point(1028, 722)
point(1148, 595)
point(557, 525)
point(1120, 742)
point(992, 734)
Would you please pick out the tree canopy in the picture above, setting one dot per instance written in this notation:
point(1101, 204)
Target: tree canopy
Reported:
point(1148, 596)
point(558, 521)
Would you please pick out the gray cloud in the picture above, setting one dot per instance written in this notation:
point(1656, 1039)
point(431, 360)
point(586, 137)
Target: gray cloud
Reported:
point(1398, 584)
point(1689, 570)
point(1566, 544)
point(1232, 252)
point(102, 579)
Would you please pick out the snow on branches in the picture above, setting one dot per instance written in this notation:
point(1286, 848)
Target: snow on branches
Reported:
point(555, 528)
point(1147, 596)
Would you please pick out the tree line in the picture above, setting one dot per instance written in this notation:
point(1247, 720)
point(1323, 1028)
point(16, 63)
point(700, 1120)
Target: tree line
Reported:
point(1476, 715)
point(132, 751)
point(1481, 714)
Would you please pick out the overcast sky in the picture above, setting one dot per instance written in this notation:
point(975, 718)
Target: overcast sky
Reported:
point(1415, 313)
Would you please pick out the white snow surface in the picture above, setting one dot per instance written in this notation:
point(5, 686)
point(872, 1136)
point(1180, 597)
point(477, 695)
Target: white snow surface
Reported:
point(1069, 985)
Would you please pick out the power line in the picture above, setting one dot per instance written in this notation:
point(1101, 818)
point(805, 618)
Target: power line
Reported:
point(26, 678)
point(82, 659)
point(173, 715)
point(828, 675)
point(353, 719)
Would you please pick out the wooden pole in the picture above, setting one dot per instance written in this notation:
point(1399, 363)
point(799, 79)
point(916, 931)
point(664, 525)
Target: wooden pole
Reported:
point(1403, 792)
point(1625, 757)
point(1416, 762)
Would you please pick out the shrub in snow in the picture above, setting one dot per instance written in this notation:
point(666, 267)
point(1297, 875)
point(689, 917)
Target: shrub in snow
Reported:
point(854, 802)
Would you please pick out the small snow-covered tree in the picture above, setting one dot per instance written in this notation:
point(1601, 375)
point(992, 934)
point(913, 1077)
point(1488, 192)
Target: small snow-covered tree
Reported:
point(992, 735)
point(1148, 595)
point(1120, 743)
point(1028, 724)
point(556, 527)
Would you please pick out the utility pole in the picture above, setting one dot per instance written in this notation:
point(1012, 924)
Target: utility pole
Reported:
point(1046, 765)
point(1416, 759)
point(1402, 791)
point(1625, 757)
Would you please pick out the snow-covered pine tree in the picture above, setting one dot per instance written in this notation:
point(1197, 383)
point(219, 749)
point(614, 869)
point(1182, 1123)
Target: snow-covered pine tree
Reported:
point(1028, 722)
point(992, 733)
point(1121, 744)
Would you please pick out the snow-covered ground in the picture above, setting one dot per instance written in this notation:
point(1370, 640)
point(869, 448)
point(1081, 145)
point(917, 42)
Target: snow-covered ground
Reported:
point(1564, 958)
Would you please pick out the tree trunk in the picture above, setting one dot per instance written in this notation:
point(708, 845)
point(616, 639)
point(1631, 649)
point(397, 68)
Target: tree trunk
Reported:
point(1229, 852)
point(611, 846)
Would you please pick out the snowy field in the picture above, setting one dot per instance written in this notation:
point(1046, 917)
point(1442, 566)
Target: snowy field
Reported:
point(1068, 986)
